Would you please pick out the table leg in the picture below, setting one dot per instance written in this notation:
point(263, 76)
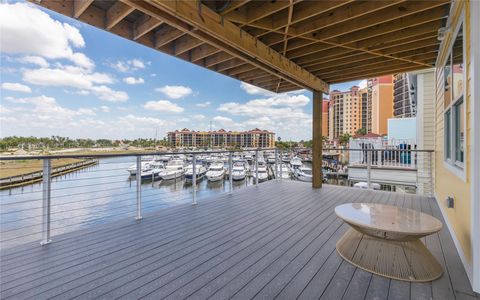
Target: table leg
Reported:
point(408, 261)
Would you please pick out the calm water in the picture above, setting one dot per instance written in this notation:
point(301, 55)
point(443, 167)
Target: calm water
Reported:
point(98, 194)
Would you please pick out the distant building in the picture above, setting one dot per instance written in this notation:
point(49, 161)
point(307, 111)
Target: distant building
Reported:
point(404, 95)
point(325, 117)
point(344, 112)
point(255, 138)
point(380, 103)
point(366, 117)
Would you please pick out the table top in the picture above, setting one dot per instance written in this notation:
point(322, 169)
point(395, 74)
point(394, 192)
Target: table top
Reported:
point(388, 218)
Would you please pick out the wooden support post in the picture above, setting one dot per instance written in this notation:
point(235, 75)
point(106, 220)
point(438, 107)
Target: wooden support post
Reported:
point(317, 140)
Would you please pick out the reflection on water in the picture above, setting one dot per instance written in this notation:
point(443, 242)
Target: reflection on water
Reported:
point(98, 194)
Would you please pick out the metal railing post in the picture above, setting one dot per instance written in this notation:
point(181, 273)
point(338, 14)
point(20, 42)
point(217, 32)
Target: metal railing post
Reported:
point(230, 167)
point(430, 172)
point(46, 205)
point(256, 167)
point(194, 179)
point(275, 171)
point(139, 188)
point(281, 164)
point(369, 166)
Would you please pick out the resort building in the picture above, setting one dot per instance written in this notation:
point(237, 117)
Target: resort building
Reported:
point(404, 95)
point(366, 114)
point(345, 112)
point(380, 101)
point(255, 138)
point(325, 117)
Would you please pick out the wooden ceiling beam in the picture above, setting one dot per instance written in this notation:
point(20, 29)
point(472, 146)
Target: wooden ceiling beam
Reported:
point(229, 64)
point(165, 35)
point(233, 5)
point(116, 13)
point(144, 25)
point(203, 51)
point(185, 43)
point(213, 29)
point(363, 75)
point(217, 59)
point(79, 7)
point(257, 10)
point(241, 69)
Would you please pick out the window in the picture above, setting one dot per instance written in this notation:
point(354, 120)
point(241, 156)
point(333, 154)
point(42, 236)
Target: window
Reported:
point(454, 115)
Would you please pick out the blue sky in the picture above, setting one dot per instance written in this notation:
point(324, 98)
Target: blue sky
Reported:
point(62, 77)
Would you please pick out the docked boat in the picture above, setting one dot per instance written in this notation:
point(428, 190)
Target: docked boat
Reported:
point(283, 171)
point(200, 172)
point(296, 162)
point(145, 165)
point(175, 168)
point(216, 171)
point(239, 172)
point(303, 174)
point(248, 156)
point(286, 158)
point(262, 172)
point(152, 171)
point(271, 158)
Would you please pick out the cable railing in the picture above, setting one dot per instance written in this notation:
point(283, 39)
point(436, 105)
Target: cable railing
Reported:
point(104, 192)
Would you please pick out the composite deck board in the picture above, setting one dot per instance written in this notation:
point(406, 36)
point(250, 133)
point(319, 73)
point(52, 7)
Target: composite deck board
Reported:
point(273, 241)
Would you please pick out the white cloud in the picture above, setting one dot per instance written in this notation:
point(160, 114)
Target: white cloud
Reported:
point(254, 90)
point(36, 60)
point(105, 108)
point(75, 77)
point(281, 100)
point(16, 87)
point(163, 105)
point(198, 117)
point(133, 80)
point(125, 66)
point(28, 30)
point(105, 93)
point(175, 91)
point(223, 121)
point(204, 104)
point(362, 84)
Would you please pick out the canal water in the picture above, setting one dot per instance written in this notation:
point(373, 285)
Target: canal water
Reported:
point(98, 194)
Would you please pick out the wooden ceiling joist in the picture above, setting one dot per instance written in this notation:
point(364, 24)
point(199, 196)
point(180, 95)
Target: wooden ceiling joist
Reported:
point(144, 25)
point(279, 45)
point(79, 7)
point(224, 34)
point(116, 13)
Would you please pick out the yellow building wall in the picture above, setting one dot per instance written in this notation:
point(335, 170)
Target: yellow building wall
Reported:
point(382, 107)
point(446, 182)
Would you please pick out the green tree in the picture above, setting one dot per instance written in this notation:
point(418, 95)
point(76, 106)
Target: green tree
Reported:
point(361, 131)
point(344, 138)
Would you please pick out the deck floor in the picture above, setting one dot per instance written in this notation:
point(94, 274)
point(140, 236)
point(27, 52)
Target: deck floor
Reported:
point(276, 240)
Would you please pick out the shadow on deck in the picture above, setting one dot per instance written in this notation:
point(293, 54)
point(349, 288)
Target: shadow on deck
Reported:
point(276, 240)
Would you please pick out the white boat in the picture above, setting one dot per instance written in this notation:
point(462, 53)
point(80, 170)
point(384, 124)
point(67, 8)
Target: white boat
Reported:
point(303, 174)
point(296, 162)
point(239, 172)
point(199, 169)
point(262, 172)
point(364, 185)
point(145, 165)
point(152, 171)
point(216, 171)
point(248, 156)
point(175, 168)
point(271, 158)
point(286, 158)
point(283, 171)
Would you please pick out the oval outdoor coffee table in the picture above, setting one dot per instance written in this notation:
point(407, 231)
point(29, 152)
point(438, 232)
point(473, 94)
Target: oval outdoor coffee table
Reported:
point(385, 240)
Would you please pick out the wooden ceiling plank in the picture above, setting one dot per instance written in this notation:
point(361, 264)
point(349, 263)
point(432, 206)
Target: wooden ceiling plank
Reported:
point(166, 34)
point(185, 44)
point(229, 64)
point(79, 7)
point(363, 75)
point(144, 25)
point(224, 34)
point(203, 51)
point(116, 13)
point(241, 69)
point(217, 59)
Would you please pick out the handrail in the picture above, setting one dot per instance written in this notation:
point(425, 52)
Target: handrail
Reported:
point(107, 155)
